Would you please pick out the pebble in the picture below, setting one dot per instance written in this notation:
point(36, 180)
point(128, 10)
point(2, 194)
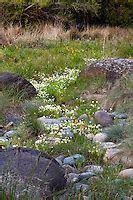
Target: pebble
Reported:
point(9, 125)
point(72, 177)
point(9, 134)
point(67, 133)
point(83, 117)
point(1, 132)
point(63, 119)
point(69, 169)
point(80, 187)
point(71, 160)
point(3, 139)
point(90, 136)
point(93, 168)
point(86, 175)
point(108, 145)
point(47, 121)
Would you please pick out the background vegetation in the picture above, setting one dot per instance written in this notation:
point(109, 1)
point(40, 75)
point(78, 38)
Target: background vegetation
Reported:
point(68, 12)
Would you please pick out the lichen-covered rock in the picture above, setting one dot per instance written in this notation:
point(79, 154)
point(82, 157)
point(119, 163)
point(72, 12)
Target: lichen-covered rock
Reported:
point(26, 166)
point(111, 68)
point(17, 84)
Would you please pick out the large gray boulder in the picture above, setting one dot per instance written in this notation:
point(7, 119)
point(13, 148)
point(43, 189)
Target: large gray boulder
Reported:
point(17, 84)
point(32, 171)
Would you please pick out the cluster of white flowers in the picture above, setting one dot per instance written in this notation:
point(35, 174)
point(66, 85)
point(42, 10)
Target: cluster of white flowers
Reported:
point(58, 82)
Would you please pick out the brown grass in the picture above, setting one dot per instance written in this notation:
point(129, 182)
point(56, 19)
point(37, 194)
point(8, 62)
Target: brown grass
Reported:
point(16, 34)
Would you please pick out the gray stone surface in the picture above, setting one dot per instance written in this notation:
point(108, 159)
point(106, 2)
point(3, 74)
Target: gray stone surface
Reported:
point(42, 172)
point(1, 132)
point(48, 121)
point(103, 118)
point(72, 160)
point(72, 177)
point(9, 134)
point(86, 175)
point(3, 139)
point(93, 168)
point(80, 187)
point(83, 117)
point(17, 83)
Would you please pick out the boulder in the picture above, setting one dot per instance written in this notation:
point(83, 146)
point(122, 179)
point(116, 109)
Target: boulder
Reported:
point(116, 156)
point(26, 167)
point(110, 68)
point(17, 84)
point(126, 173)
point(103, 118)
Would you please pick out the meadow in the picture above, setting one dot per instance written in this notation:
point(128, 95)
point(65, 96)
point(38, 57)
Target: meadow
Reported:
point(51, 59)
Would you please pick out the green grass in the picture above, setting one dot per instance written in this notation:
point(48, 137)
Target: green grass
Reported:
point(31, 61)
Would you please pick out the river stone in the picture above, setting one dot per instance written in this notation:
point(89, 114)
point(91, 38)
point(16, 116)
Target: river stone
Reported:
point(83, 117)
point(72, 177)
point(1, 132)
point(69, 169)
point(48, 121)
point(17, 84)
point(100, 137)
point(9, 134)
point(93, 168)
point(32, 166)
point(103, 118)
point(3, 139)
point(72, 160)
point(86, 175)
point(126, 173)
point(80, 187)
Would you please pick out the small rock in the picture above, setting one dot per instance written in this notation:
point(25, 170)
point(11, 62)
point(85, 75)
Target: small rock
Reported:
point(72, 177)
point(67, 133)
point(80, 187)
point(111, 153)
point(83, 117)
point(61, 158)
point(89, 136)
point(126, 173)
point(63, 119)
point(9, 134)
point(121, 116)
point(93, 168)
point(3, 139)
point(122, 122)
point(1, 126)
point(108, 145)
point(9, 125)
point(15, 119)
point(59, 161)
point(47, 121)
point(85, 175)
point(69, 169)
point(71, 160)
point(1, 132)
point(100, 137)
point(103, 118)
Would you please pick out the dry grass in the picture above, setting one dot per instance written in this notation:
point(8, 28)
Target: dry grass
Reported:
point(16, 34)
